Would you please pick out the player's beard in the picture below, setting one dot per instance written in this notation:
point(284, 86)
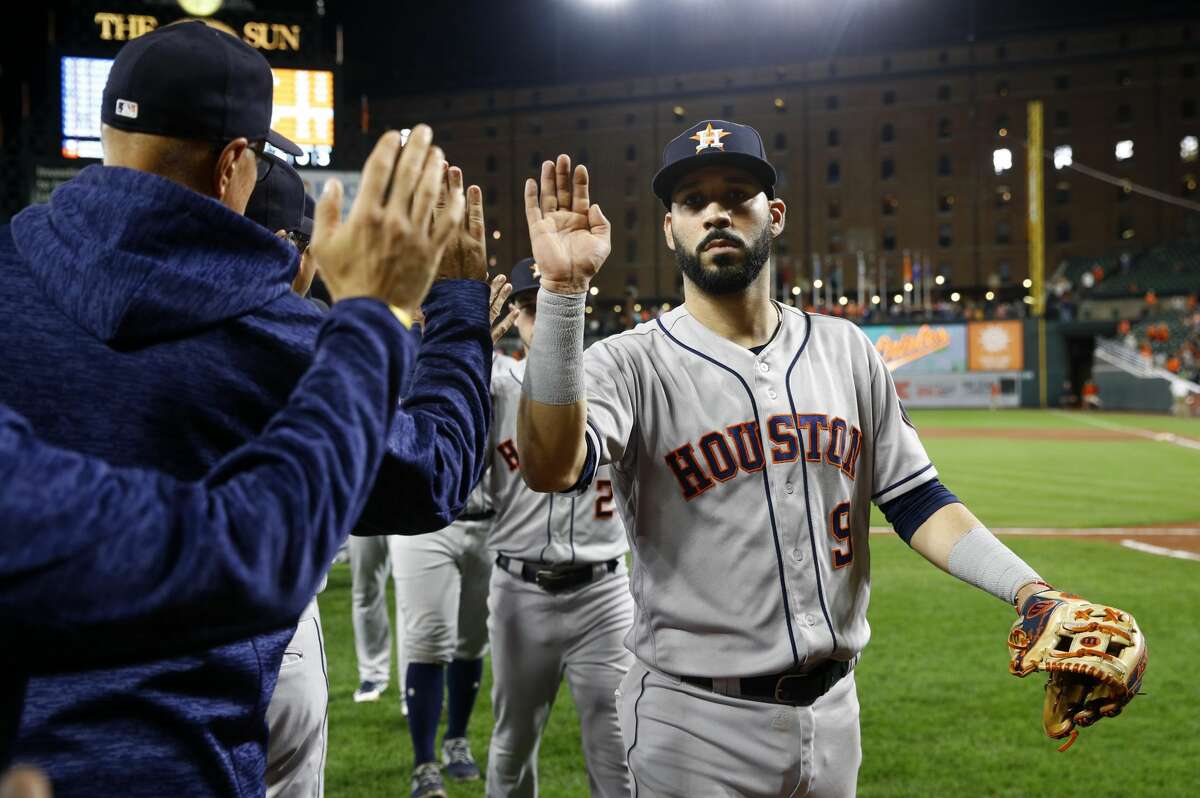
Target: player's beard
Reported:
point(731, 272)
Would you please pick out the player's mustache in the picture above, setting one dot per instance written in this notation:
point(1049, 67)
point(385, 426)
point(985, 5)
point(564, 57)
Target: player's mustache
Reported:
point(720, 235)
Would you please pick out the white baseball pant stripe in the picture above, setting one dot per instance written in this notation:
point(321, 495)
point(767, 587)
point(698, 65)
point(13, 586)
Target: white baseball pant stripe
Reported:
point(298, 715)
point(684, 741)
point(537, 639)
point(370, 566)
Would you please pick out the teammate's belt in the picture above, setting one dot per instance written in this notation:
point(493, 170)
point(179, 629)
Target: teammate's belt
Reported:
point(556, 578)
point(796, 689)
point(482, 515)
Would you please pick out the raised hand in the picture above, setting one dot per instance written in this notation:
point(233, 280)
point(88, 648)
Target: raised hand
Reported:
point(390, 245)
point(500, 291)
point(465, 257)
point(570, 236)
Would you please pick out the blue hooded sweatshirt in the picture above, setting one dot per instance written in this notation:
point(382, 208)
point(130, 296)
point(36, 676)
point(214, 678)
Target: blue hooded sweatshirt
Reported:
point(151, 326)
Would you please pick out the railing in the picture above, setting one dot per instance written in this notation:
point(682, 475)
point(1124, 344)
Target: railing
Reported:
point(1132, 362)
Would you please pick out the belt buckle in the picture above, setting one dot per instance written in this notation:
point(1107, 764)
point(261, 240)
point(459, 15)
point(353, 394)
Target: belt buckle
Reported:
point(779, 685)
point(547, 579)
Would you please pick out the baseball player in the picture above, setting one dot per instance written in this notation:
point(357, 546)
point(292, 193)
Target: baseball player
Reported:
point(559, 604)
point(370, 566)
point(747, 440)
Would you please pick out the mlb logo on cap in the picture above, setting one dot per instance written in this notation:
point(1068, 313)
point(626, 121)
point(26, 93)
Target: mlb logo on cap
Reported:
point(127, 108)
point(714, 142)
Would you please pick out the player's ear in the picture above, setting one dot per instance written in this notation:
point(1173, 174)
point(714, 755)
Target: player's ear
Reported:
point(778, 216)
point(668, 231)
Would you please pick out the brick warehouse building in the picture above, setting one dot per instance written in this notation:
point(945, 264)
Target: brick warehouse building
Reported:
point(881, 153)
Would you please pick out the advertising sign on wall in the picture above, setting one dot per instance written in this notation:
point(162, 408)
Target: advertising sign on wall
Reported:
point(995, 346)
point(957, 390)
point(924, 349)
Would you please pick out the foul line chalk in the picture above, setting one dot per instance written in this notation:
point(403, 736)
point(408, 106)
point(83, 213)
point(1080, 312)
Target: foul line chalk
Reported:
point(1162, 551)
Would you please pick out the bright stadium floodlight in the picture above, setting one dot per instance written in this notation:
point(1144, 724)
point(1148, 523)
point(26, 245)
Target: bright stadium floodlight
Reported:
point(1028, 300)
point(898, 299)
point(955, 296)
point(818, 283)
point(940, 279)
point(593, 290)
point(795, 290)
point(637, 307)
point(1124, 150)
point(989, 296)
point(616, 308)
point(1027, 283)
point(875, 300)
point(1002, 160)
point(843, 301)
point(496, 234)
point(1063, 156)
point(908, 286)
point(1189, 148)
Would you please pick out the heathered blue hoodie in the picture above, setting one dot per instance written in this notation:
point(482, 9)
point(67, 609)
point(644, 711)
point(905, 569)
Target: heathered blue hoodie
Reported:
point(148, 325)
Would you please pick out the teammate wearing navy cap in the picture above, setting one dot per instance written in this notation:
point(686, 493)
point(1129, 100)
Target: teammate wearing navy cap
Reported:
point(747, 441)
point(559, 605)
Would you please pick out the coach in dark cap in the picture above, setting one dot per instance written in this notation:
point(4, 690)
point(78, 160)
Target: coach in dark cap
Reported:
point(145, 321)
point(280, 204)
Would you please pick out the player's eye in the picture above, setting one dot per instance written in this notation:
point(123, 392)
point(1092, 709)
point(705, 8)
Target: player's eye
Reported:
point(693, 200)
point(737, 196)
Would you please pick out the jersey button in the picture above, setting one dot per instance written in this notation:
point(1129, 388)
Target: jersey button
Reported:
point(789, 488)
point(810, 619)
point(797, 555)
point(764, 367)
point(771, 393)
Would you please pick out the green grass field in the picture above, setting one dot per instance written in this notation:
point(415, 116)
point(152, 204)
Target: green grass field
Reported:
point(940, 714)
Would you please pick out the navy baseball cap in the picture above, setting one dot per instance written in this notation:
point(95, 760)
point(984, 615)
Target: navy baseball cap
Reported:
point(192, 81)
point(306, 221)
point(713, 142)
point(277, 203)
point(524, 277)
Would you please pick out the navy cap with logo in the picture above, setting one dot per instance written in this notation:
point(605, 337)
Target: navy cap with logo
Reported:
point(190, 80)
point(524, 278)
point(278, 201)
point(713, 142)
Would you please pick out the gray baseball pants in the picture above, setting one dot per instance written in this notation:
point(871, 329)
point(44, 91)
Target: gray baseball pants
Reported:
point(370, 566)
point(539, 638)
point(298, 715)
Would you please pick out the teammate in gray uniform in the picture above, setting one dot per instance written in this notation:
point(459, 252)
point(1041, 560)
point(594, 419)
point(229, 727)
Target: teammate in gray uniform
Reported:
point(370, 565)
point(559, 604)
point(747, 440)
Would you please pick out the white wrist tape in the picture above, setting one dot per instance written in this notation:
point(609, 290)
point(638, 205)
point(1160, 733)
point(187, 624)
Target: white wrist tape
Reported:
point(554, 375)
point(980, 559)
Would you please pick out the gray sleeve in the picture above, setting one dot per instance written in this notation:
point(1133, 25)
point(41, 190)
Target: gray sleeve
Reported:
point(610, 404)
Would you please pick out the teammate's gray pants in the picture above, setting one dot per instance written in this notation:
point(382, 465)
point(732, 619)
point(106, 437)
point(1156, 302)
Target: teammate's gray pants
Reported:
point(298, 715)
point(370, 566)
point(537, 639)
point(684, 741)
point(441, 587)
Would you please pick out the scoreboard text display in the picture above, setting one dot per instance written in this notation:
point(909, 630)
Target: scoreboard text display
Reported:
point(302, 110)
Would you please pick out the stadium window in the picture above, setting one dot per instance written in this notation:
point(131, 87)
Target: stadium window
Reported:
point(678, 112)
point(1002, 88)
point(886, 65)
point(491, 101)
point(833, 70)
point(630, 120)
point(889, 239)
point(1125, 228)
point(780, 105)
point(1062, 82)
point(1123, 39)
point(1003, 196)
point(887, 133)
point(835, 209)
point(1188, 189)
point(1062, 193)
point(1123, 150)
point(1187, 108)
point(946, 203)
point(1004, 271)
point(833, 138)
point(833, 174)
point(1187, 71)
point(831, 102)
point(535, 160)
point(945, 235)
point(1002, 160)
point(727, 111)
point(889, 205)
point(1001, 52)
point(889, 97)
point(943, 129)
point(943, 166)
point(1062, 231)
point(490, 131)
point(581, 123)
point(781, 141)
point(631, 250)
point(887, 169)
point(943, 57)
point(1062, 119)
point(1189, 148)
point(537, 97)
point(1124, 115)
point(491, 164)
point(630, 186)
point(1003, 232)
point(631, 153)
point(780, 177)
point(835, 241)
point(1061, 45)
point(678, 84)
point(943, 92)
point(583, 156)
point(630, 218)
point(1124, 77)
point(1124, 193)
point(1002, 125)
point(490, 196)
point(1063, 156)
point(535, 128)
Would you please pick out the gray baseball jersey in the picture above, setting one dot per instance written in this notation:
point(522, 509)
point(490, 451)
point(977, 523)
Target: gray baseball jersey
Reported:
point(539, 527)
point(746, 482)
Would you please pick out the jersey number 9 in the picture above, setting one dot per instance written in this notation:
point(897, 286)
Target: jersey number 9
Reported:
point(839, 528)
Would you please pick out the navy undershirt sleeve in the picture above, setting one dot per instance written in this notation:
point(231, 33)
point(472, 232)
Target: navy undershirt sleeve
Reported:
point(906, 513)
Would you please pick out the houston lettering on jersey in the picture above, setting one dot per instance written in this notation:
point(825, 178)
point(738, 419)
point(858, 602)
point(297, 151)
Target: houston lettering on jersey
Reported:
point(720, 456)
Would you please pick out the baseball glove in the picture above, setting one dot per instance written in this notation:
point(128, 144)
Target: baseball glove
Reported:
point(1095, 655)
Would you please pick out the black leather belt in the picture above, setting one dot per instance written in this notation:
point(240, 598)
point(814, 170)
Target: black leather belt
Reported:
point(795, 689)
point(482, 515)
point(556, 578)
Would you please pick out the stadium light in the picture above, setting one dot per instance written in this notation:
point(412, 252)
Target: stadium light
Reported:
point(666, 306)
point(588, 309)
point(1063, 156)
point(898, 299)
point(818, 283)
point(843, 301)
point(940, 279)
point(1028, 300)
point(1002, 160)
point(1124, 150)
point(593, 290)
point(989, 296)
point(496, 234)
point(1189, 148)
point(875, 299)
point(795, 290)
point(637, 307)
point(955, 296)
point(1027, 283)
point(908, 286)
point(616, 308)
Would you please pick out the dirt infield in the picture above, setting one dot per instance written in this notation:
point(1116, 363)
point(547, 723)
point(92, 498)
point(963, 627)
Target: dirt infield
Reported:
point(1028, 434)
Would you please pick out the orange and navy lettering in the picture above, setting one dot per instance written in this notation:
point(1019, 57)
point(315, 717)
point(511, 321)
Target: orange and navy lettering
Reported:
point(604, 498)
point(839, 528)
point(508, 450)
point(721, 457)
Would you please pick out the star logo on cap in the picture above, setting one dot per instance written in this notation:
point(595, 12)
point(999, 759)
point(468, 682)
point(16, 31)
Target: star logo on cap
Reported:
point(535, 270)
point(709, 138)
